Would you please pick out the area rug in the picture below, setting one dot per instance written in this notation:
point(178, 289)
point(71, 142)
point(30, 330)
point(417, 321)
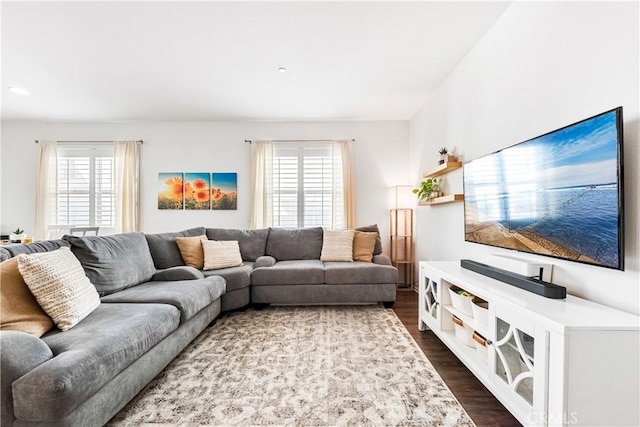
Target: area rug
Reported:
point(299, 366)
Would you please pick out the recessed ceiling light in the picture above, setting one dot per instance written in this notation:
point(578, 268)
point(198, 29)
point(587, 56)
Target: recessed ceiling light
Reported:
point(282, 70)
point(18, 90)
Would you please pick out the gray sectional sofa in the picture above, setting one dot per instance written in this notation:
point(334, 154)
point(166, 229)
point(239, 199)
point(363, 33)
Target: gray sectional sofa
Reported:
point(153, 306)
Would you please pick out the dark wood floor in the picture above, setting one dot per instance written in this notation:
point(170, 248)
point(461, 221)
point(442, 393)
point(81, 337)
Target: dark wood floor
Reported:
point(482, 407)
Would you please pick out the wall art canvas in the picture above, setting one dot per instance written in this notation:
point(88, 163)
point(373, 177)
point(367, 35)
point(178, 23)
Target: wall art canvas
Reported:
point(197, 195)
point(224, 191)
point(170, 190)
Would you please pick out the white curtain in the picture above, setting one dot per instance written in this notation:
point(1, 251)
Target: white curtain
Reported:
point(127, 186)
point(261, 178)
point(343, 209)
point(46, 189)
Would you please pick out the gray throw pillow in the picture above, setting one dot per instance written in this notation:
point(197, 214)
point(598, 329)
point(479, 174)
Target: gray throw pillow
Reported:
point(286, 244)
point(164, 249)
point(377, 250)
point(252, 242)
point(115, 262)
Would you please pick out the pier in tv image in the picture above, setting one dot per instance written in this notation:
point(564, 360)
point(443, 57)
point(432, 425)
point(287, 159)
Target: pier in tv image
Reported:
point(559, 194)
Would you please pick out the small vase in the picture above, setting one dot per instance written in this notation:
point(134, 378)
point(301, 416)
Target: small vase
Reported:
point(17, 238)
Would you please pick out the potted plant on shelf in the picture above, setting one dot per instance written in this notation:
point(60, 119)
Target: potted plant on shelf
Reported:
point(427, 190)
point(17, 235)
point(445, 157)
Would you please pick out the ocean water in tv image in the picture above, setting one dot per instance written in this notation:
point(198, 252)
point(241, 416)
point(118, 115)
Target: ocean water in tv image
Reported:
point(565, 216)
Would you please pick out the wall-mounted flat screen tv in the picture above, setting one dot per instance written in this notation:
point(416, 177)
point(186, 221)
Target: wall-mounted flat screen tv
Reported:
point(560, 194)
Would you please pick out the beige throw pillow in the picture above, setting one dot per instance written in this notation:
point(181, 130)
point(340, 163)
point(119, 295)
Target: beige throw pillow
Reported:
point(191, 250)
point(337, 245)
point(19, 310)
point(60, 286)
point(363, 246)
point(221, 254)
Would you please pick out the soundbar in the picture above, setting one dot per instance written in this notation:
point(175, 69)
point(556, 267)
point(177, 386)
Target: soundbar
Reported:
point(537, 286)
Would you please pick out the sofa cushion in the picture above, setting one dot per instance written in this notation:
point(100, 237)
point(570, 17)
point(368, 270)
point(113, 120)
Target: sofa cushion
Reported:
point(189, 296)
point(358, 272)
point(19, 310)
point(35, 247)
point(58, 282)
point(221, 254)
point(301, 272)
point(236, 277)
point(337, 245)
point(377, 250)
point(90, 355)
point(4, 254)
point(252, 242)
point(191, 250)
point(114, 262)
point(363, 246)
point(163, 247)
point(286, 244)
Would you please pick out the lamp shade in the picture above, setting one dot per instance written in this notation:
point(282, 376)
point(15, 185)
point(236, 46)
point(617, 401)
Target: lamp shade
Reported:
point(401, 197)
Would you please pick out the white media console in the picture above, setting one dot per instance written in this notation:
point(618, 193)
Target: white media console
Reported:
point(551, 362)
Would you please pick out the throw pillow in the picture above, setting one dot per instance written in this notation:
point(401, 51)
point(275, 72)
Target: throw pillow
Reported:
point(337, 245)
point(221, 254)
point(373, 229)
point(191, 250)
point(19, 310)
point(60, 286)
point(363, 246)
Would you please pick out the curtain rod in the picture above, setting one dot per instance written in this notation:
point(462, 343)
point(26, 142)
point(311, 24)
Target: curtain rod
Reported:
point(299, 140)
point(96, 142)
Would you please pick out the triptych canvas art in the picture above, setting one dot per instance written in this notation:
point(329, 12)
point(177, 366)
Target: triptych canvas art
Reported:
point(198, 190)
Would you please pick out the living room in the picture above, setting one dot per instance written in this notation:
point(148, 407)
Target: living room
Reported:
point(517, 70)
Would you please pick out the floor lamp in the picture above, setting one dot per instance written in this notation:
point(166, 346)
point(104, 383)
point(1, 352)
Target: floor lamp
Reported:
point(401, 231)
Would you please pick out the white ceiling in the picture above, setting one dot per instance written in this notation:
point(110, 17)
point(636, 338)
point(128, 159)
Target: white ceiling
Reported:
point(196, 61)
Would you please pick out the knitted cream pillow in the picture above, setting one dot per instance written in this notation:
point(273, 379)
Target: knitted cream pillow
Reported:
point(60, 286)
point(337, 245)
point(221, 254)
point(191, 250)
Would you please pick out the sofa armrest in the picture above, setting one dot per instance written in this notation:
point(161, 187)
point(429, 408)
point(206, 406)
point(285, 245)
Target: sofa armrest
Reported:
point(382, 259)
point(264, 261)
point(181, 272)
point(21, 353)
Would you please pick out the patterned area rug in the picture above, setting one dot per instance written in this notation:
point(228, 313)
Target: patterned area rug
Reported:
point(299, 366)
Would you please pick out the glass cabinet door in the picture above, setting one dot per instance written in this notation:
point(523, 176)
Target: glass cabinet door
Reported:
point(520, 363)
point(429, 300)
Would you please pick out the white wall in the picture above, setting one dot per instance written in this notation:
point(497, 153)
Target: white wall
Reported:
point(380, 162)
point(543, 65)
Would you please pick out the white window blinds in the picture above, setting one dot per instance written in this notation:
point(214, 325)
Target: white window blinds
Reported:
point(85, 193)
point(304, 186)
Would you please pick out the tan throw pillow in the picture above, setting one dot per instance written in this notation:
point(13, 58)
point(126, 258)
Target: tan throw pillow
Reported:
point(19, 310)
point(363, 246)
point(337, 245)
point(60, 286)
point(191, 250)
point(221, 254)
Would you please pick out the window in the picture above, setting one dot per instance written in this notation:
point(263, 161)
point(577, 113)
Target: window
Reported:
point(85, 191)
point(307, 187)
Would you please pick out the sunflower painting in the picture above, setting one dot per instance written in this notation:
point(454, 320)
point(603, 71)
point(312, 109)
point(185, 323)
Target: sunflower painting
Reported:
point(170, 190)
point(196, 190)
point(224, 191)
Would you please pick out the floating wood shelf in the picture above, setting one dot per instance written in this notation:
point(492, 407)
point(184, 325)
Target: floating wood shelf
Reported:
point(442, 169)
point(442, 200)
